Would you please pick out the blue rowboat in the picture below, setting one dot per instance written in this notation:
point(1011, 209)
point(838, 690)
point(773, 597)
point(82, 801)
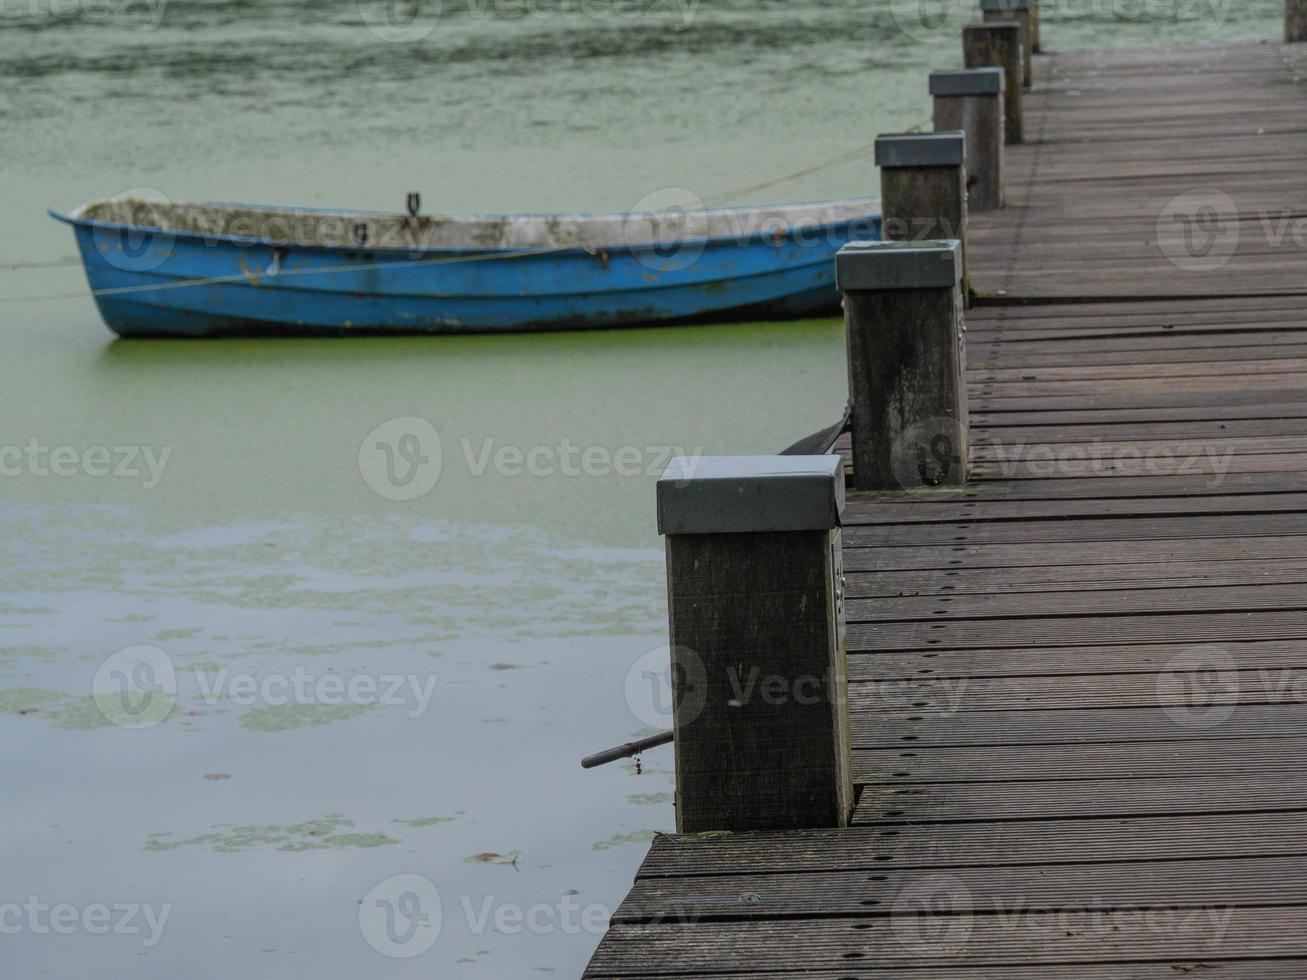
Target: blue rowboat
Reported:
point(165, 269)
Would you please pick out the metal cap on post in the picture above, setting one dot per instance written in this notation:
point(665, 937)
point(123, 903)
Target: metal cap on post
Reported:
point(755, 609)
point(1021, 13)
point(907, 363)
point(923, 188)
point(971, 100)
point(749, 494)
point(898, 265)
point(966, 81)
point(1000, 45)
point(921, 150)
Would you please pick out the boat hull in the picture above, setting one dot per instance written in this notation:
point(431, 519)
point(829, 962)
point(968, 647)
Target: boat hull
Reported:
point(152, 283)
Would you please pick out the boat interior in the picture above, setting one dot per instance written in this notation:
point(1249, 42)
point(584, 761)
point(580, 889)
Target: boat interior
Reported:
point(380, 231)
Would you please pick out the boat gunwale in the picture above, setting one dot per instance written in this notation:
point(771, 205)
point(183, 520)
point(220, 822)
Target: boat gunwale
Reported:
point(77, 219)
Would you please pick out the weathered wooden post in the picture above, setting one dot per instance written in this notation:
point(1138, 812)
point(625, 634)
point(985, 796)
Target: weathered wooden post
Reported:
point(907, 363)
point(972, 101)
point(755, 605)
point(1015, 12)
point(1034, 27)
point(1295, 21)
point(923, 188)
point(999, 46)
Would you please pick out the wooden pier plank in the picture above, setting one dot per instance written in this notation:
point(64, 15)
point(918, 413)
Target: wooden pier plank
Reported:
point(757, 947)
point(1078, 684)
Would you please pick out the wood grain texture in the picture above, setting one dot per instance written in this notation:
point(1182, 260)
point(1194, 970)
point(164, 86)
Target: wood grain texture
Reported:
point(1000, 46)
point(981, 118)
point(906, 386)
point(1078, 683)
point(759, 682)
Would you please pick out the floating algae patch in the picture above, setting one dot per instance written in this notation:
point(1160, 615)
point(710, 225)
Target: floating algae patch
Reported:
point(75, 714)
point(11, 655)
point(311, 835)
point(81, 714)
point(178, 634)
point(27, 700)
point(650, 799)
point(429, 821)
point(617, 840)
point(356, 840)
point(282, 717)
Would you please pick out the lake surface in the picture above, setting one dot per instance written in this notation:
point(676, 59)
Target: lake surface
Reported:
point(385, 666)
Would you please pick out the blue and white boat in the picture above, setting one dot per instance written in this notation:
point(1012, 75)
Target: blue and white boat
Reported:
point(169, 269)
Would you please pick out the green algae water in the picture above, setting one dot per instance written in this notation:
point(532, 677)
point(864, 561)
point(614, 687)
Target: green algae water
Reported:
point(301, 641)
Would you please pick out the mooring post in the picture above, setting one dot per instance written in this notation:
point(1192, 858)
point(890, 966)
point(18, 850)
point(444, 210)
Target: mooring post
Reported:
point(999, 46)
point(755, 606)
point(1295, 21)
point(972, 101)
point(907, 363)
point(1034, 27)
point(923, 188)
point(1015, 12)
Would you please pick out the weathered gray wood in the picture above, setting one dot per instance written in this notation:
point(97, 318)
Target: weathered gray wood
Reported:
point(759, 677)
point(925, 204)
point(1295, 21)
point(906, 366)
point(830, 893)
point(981, 118)
point(759, 681)
point(767, 947)
point(925, 201)
point(1000, 46)
point(1078, 695)
point(1023, 21)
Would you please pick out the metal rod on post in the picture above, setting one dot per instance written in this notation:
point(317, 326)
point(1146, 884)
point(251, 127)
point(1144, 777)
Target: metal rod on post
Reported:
point(755, 607)
point(907, 363)
point(972, 101)
point(999, 46)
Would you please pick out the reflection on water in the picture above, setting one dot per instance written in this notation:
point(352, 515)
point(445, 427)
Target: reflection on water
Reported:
point(262, 565)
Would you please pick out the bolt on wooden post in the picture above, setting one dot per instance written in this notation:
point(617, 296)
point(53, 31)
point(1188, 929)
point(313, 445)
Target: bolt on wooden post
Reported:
point(755, 607)
point(1015, 12)
point(907, 363)
point(923, 188)
point(999, 46)
point(972, 101)
point(1295, 21)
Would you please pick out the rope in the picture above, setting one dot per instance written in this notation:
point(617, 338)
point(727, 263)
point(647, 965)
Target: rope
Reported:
point(835, 161)
point(243, 277)
point(847, 156)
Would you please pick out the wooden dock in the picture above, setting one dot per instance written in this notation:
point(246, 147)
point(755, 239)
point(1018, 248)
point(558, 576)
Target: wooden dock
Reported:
point(1079, 684)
